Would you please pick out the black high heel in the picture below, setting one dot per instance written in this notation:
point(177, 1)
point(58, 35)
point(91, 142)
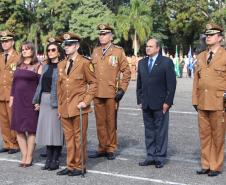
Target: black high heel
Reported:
point(47, 165)
point(54, 165)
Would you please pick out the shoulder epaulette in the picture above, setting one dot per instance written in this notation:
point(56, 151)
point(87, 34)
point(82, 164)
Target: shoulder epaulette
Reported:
point(118, 46)
point(86, 57)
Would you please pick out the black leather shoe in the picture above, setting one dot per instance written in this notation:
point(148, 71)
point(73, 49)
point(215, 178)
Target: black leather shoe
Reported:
point(110, 156)
point(213, 173)
point(203, 171)
point(147, 163)
point(97, 154)
point(13, 151)
point(76, 172)
point(2, 150)
point(64, 172)
point(159, 164)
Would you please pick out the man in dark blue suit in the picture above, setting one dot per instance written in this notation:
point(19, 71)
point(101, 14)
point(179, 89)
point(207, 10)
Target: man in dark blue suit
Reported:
point(156, 85)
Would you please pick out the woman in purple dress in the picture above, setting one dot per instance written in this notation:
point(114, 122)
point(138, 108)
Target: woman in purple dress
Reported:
point(24, 116)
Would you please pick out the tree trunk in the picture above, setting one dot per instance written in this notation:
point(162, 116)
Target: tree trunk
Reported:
point(36, 42)
point(135, 45)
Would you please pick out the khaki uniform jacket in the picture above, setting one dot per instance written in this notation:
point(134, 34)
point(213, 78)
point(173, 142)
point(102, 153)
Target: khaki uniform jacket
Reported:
point(78, 86)
point(6, 74)
point(210, 81)
point(108, 70)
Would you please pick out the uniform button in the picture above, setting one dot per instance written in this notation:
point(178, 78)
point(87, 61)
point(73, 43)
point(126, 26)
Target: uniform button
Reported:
point(67, 79)
point(206, 90)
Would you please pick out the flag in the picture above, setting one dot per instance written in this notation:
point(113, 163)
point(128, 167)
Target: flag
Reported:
point(190, 59)
point(177, 64)
point(163, 51)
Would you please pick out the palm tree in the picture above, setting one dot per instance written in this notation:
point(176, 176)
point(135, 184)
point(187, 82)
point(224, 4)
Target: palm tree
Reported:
point(135, 21)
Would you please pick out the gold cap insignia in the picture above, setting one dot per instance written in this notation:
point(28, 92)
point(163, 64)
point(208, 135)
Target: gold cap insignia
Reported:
point(51, 39)
point(4, 34)
point(208, 26)
point(102, 27)
point(66, 36)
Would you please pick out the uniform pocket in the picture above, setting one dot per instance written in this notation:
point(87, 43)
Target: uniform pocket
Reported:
point(220, 70)
point(79, 76)
point(220, 94)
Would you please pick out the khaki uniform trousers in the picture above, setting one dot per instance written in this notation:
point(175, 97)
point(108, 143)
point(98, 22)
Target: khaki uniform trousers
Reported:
point(211, 132)
point(8, 135)
point(105, 110)
point(71, 127)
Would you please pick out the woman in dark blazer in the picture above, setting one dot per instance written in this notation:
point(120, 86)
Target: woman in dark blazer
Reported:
point(49, 131)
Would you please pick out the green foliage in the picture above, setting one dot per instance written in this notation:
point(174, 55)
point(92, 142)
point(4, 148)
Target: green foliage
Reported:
point(87, 16)
point(173, 22)
point(135, 21)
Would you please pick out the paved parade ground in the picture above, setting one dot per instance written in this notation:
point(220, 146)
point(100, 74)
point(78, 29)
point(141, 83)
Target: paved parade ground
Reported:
point(183, 152)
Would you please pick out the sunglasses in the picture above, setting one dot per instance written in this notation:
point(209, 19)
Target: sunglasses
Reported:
point(52, 50)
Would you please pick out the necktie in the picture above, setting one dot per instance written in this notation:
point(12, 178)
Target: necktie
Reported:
point(150, 61)
point(6, 57)
point(70, 66)
point(210, 57)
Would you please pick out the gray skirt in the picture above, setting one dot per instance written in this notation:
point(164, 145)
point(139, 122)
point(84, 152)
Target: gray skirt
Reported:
point(49, 130)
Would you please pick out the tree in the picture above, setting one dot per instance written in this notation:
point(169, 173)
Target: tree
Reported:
point(86, 17)
point(135, 21)
point(54, 16)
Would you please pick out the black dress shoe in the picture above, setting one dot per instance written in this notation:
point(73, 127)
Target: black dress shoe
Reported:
point(147, 163)
point(76, 172)
point(64, 172)
point(13, 151)
point(97, 154)
point(159, 164)
point(110, 156)
point(203, 171)
point(2, 150)
point(213, 173)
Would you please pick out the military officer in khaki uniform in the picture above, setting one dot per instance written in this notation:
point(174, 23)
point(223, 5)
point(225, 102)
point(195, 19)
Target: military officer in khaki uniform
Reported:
point(207, 97)
point(8, 62)
point(76, 89)
point(110, 64)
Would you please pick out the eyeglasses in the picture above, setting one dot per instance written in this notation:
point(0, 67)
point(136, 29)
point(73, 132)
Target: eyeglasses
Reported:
point(52, 50)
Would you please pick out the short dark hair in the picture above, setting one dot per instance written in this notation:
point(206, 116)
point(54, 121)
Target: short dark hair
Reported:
point(59, 49)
